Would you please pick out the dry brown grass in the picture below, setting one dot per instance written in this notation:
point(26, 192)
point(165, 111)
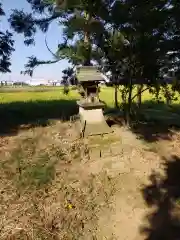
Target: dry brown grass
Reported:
point(45, 191)
point(52, 190)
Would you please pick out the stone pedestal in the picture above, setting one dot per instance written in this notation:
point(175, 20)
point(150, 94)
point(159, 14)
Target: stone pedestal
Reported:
point(92, 119)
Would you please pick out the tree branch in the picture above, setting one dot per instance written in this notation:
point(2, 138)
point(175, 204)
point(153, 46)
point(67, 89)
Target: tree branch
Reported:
point(33, 63)
point(54, 55)
point(139, 93)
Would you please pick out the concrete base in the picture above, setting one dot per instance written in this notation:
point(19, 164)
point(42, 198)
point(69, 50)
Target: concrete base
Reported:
point(91, 115)
point(93, 121)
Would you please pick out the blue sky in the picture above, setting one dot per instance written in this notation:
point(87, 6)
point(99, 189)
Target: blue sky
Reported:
point(19, 57)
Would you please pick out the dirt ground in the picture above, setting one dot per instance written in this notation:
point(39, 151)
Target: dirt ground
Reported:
point(133, 166)
point(122, 195)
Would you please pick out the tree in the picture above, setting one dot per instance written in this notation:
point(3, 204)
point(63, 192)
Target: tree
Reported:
point(6, 48)
point(151, 30)
point(112, 50)
point(20, 84)
point(81, 20)
point(137, 41)
point(84, 24)
point(69, 76)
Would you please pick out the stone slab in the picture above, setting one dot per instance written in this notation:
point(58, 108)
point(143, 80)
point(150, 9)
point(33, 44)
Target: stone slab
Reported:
point(96, 129)
point(90, 105)
point(105, 150)
point(91, 115)
point(95, 153)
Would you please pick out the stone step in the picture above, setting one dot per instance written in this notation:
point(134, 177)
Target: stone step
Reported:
point(100, 151)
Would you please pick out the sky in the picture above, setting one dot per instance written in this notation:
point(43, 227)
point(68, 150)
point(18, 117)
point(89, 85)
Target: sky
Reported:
point(19, 57)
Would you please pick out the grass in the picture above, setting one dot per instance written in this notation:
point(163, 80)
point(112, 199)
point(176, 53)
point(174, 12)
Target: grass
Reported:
point(38, 106)
point(46, 190)
point(42, 195)
point(9, 94)
point(36, 94)
point(53, 93)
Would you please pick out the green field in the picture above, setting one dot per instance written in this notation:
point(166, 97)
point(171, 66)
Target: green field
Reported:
point(26, 94)
point(40, 105)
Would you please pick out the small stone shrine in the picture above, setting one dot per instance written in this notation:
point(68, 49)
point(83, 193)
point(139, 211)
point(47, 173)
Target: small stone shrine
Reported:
point(92, 121)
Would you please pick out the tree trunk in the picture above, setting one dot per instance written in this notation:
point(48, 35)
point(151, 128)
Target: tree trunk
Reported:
point(168, 100)
point(168, 96)
point(116, 96)
point(139, 95)
point(129, 104)
point(87, 43)
point(123, 97)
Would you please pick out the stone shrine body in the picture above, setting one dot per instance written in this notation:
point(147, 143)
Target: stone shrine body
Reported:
point(92, 120)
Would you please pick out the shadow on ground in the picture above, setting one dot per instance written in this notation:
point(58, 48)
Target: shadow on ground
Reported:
point(163, 196)
point(153, 122)
point(35, 113)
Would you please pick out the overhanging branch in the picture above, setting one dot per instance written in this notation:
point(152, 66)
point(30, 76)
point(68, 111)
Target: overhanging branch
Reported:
point(54, 55)
point(33, 63)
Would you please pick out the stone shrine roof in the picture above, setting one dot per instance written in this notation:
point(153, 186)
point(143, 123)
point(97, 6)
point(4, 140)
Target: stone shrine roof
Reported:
point(89, 73)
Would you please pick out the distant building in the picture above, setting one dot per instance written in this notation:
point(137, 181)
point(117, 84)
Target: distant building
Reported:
point(44, 82)
point(54, 82)
point(37, 82)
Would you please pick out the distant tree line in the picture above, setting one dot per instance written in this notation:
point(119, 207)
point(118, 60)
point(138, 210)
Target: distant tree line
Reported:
point(6, 83)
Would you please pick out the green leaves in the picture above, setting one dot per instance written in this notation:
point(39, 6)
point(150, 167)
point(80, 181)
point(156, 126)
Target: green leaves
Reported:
point(76, 54)
point(33, 62)
point(41, 6)
point(79, 18)
point(22, 23)
point(119, 13)
point(1, 10)
point(74, 25)
point(6, 48)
